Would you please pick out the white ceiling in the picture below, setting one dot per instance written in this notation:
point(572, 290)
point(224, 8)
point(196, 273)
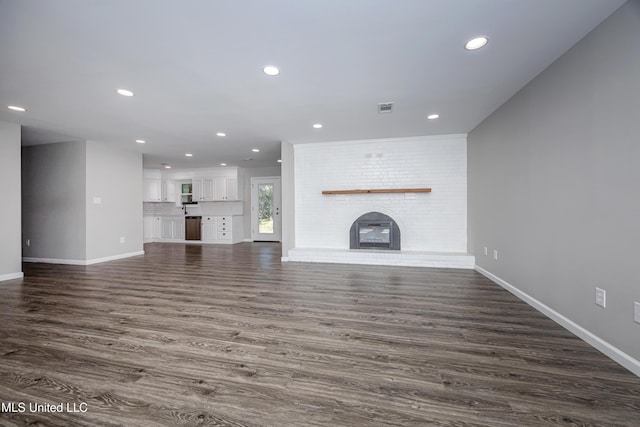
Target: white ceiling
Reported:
point(196, 69)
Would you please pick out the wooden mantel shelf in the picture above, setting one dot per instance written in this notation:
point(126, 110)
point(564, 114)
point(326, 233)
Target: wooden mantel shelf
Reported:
point(383, 190)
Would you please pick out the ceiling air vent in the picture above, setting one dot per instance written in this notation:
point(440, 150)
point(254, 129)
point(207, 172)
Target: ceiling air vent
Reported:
point(385, 107)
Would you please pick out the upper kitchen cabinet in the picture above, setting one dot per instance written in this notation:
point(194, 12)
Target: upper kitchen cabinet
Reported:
point(169, 191)
point(218, 188)
point(225, 188)
point(202, 189)
point(207, 185)
point(152, 187)
point(152, 191)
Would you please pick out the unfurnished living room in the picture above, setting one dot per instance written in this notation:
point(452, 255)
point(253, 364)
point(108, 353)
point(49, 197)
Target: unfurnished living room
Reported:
point(319, 213)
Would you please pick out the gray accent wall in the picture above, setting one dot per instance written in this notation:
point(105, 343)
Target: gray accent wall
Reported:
point(10, 251)
point(113, 201)
point(53, 200)
point(553, 183)
point(79, 199)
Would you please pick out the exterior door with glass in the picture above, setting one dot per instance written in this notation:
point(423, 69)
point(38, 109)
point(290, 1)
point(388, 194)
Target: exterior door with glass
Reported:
point(266, 222)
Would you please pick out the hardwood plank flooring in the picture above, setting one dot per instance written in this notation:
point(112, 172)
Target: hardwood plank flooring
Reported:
point(226, 335)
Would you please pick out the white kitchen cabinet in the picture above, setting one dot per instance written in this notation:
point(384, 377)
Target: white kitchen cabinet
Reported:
point(172, 228)
point(196, 190)
point(152, 190)
point(225, 188)
point(169, 191)
point(178, 229)
point(219, 188)
point(156, 228)
point(151, 228)
point(215, 184)
point(203, 189)
point(207, 189)
point(232, 188)
point(222, 229)
point(215, 229)
point(166, 229)
point(209, 228)
point(147, 229)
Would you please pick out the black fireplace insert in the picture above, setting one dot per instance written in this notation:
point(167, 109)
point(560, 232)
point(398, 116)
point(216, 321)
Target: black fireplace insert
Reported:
point(374, 230)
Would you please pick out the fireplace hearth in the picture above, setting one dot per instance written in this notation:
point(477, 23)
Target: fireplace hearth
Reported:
point(374, 230)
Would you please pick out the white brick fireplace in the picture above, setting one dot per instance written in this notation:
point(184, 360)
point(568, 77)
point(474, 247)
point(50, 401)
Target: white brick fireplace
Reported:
point(433, 225)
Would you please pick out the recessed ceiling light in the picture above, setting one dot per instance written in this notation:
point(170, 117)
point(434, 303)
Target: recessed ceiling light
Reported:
point(317, 126)
point(167, 167)
point(279, 161)
point(140, 141)
point(221, 134)
point(16, 108)
point(271, 70)
point(433, 116)
point(188, 155)
point(256, 150)
point(476, 43)
point(223, 164)
point(125, 92)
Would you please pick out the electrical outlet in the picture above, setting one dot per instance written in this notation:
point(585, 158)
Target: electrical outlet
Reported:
point(28, 242)
point(122, 239)
point(486, 250)
point(495, 254)
point(601, 297)
point(636, 311)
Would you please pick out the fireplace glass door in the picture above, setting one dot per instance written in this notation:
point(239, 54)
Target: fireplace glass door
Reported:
point(374, 235)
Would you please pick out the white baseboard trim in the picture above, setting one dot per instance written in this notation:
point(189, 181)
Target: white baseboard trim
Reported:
point(113, 257)
point(284, 259)
point(11, 276)
point(55, 261)
point(598, 343)
point(248, 240)
point(82, 261)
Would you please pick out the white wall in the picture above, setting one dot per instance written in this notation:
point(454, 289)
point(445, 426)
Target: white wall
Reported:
point(10, 251)
point(53, 201)
point(435, 221)
point(114, 179)
point(287, 155)
point(553, 185)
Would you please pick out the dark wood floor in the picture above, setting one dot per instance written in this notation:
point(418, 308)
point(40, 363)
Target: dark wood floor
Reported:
point(218, 335)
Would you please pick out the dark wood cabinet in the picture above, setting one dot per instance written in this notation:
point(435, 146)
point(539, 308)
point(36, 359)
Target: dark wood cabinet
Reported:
point(192, 228)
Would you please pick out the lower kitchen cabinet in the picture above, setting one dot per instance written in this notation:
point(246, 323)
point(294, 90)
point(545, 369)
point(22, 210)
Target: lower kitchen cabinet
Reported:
point(214, 229)
point(172, 228)
point(222, 229)
point(208, 228)
point(147, 229)
point(178, 229)
point(151, 228)
point(167, 229)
